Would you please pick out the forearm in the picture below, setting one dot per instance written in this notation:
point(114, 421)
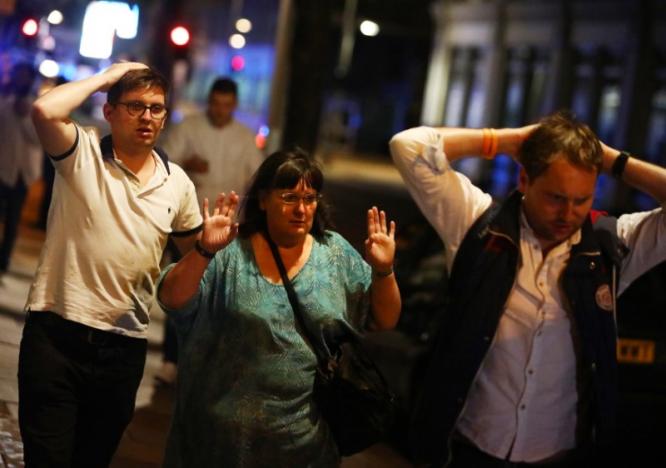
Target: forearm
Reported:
point(62, 100)
point(463, 142)
point(182, 282)
point(639, 174)
point(385, 301)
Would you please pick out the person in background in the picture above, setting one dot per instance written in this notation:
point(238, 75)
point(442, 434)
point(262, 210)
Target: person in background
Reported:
point(20, 154)
point(115, 203)
point(220, 155)
point(524, 369)
point(217, 151)
point(244, 393)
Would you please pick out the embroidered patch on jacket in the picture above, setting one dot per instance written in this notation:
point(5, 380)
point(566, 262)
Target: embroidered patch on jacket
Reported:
point(604, 297)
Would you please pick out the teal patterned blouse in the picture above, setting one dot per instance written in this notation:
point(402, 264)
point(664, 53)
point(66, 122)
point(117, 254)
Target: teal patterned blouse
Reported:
point(245, 375)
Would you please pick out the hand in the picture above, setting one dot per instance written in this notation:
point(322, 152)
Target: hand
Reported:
point(116, 71)
point(608, 156)
point(514, 139)
point(195, 164)
point(219, 229)
point(380, 244)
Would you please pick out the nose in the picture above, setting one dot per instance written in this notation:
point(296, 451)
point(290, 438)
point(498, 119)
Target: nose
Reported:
point(300, 205)
point(146, 115)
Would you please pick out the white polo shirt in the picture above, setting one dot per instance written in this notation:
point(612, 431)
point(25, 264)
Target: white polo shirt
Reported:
point(106, 234)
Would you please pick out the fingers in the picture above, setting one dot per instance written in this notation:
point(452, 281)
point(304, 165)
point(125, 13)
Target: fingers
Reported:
point(382, 221)
point(392, 231)
point(231, 205)
point(205, 209)
point(372, 227)
point(377, 222)
point(219, 204)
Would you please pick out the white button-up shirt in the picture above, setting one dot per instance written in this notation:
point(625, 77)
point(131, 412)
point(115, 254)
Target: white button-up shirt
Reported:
point(522, 404)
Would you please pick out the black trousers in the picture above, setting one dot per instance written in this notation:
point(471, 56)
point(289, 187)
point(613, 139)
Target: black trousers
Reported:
point(12, 198)
point(77, 387)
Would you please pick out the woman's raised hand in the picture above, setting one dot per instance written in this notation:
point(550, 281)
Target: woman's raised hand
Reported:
point(380, 244)
point(220, 227)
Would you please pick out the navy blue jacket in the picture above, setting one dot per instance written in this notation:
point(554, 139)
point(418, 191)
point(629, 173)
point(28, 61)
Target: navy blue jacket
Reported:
point(481, 279)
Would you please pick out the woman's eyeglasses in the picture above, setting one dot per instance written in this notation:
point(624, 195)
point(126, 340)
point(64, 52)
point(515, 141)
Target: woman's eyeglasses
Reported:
point(289, 198)
point(137, 108)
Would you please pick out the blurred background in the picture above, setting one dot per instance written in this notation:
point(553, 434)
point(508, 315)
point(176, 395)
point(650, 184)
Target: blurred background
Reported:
point(340, 77)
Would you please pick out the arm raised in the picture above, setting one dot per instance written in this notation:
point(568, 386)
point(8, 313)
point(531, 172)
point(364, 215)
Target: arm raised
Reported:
point(641, 175)
point(219, 229)
point(379, 253)
point(50, 112)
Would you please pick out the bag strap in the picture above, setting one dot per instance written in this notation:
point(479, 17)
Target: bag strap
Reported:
point(295, 305)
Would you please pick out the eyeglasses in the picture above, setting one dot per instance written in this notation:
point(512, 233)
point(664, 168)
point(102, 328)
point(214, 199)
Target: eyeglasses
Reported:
point(137, 108)
point(289, 198)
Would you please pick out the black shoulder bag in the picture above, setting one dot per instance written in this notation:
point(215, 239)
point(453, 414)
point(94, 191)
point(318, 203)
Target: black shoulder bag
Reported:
point(349, 389)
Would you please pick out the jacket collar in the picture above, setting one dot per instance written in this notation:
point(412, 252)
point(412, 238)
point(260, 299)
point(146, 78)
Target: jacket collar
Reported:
point(507, 220)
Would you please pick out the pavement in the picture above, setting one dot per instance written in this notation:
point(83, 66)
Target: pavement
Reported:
point(143, 442)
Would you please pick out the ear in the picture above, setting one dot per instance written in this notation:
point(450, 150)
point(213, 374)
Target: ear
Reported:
point(523, 180)
point(107, 109)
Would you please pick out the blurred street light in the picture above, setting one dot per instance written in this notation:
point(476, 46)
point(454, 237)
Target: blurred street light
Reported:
point(180, 36)
point(244, 25)
point(30, 27)
point(369, 28)
point(237, 41)
point(55, 17)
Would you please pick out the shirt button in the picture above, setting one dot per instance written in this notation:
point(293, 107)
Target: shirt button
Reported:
point(530, 371)
point(522, 407)
point(592, 265)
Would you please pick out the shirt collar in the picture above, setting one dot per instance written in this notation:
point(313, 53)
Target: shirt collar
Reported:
point(106, 145)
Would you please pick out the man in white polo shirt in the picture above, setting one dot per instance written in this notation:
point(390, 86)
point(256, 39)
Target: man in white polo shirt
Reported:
point(115, 203)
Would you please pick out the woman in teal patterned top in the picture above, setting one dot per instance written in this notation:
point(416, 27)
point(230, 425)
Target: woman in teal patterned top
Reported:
point(244, 396)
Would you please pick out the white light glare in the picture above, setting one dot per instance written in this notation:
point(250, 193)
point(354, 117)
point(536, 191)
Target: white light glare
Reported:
point(244, 25)
point(55, 17)
point(180, 36)
point(237, 41)
point(369, 28)
point(49, 68)
point(102, 21)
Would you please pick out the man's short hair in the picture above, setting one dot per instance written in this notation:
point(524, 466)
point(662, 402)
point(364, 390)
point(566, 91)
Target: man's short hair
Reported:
point(224, 85)
point(145, 78)
point(560, 135)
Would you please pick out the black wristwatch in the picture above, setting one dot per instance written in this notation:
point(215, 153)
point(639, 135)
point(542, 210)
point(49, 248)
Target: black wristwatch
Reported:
point(203, 252)
point(618, 165)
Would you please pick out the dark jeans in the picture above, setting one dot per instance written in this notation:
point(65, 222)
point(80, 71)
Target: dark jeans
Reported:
point(465, 455)
point(12, 198)
point(77, 387)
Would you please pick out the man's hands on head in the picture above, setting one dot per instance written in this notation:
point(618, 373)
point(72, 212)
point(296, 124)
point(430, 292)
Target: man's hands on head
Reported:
point(116, 71)
point(511, 139)
point(608, 155)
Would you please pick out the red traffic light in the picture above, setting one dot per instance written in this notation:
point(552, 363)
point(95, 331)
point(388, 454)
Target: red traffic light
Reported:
point(29, 27)
point(180, 36)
